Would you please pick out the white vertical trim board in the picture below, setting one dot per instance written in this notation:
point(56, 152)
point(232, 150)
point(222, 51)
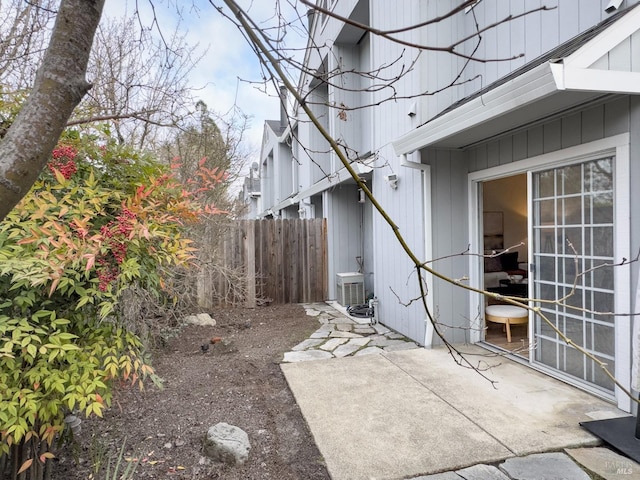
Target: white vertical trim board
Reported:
point(622, 274)
point(476, 301)
point(531, 325)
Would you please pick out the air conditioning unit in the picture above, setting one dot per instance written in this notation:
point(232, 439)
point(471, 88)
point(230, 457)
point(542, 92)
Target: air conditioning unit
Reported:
point(350, 288)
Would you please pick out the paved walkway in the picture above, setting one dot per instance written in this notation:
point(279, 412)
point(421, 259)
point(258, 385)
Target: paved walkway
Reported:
point(340, 335)
point(380, 407)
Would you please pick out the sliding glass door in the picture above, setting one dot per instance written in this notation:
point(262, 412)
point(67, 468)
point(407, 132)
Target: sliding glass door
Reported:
point(572, 250)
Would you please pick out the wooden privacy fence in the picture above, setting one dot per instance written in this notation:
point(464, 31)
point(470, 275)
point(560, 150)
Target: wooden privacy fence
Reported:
point(261, 261)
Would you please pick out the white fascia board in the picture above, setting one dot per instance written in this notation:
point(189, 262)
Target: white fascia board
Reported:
point(332, 180)
point(287, 202)
point(605, 41)
point(405, 162)
point(288, 131)
point(517, 93)
point(594, 80)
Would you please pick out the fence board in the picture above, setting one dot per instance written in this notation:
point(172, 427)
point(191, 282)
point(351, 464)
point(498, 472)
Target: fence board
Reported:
point(256, 261)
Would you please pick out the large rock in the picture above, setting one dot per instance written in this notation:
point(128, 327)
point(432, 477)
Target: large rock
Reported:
point(201, 319)
point(227, 443)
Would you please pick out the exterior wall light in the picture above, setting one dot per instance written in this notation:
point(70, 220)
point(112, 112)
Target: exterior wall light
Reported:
point(392, 180)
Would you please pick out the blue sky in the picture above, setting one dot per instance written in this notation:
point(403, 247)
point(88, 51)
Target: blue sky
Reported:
point(228, 56)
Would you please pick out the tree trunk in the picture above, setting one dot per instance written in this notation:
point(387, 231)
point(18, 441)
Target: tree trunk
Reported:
point(59, 86)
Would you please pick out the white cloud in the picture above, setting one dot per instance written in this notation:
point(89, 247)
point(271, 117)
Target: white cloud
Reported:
point(228, 56)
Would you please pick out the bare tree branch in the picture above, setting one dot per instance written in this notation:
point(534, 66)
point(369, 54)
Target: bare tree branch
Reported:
point(447, 49)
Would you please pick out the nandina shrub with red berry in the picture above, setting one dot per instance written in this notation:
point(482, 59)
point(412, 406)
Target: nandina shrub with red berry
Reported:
point(63, 160)
point(101, 219)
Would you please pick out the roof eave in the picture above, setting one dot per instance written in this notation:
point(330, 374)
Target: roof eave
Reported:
point(546, 89)
point(550, 79)
point(515, 94)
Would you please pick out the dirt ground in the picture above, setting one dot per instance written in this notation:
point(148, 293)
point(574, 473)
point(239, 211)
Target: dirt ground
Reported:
point(239, 383)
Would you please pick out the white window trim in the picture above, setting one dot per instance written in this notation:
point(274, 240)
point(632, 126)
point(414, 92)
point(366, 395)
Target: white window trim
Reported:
point(617, 146)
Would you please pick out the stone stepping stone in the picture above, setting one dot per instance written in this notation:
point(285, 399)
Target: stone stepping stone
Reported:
point(333, 343)
point(369, 351)
point(396, 336)
point(344, 327)
point(481, 472)
point(308, 343)
point(341, 321)
point(339, 334)
point(350, 347)
point(364, 330)
point(307, 355)
point(605, 462)
point(381, 329)
point(543, 466)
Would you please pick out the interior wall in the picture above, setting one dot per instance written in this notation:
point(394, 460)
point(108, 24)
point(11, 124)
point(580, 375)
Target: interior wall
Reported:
point(509, 196)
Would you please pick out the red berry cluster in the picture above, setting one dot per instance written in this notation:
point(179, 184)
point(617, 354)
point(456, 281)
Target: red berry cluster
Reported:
point(67, 169)
point(64, 151)
point(106, 274)
point(116, 235)
point(63, 160)
point(105, 230)
point(125, 222)
point(119, 251)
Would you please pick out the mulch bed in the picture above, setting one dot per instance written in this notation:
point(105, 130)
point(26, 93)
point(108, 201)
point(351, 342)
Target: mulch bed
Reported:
point(237, 381)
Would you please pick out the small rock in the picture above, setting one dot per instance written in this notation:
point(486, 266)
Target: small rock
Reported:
point(168, 445)
point(227, 443)
point(179, 442)
point(201, 319)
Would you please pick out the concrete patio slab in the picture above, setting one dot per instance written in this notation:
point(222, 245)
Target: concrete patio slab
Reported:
point(409, 413)
point(370, 420)
point(524, 409)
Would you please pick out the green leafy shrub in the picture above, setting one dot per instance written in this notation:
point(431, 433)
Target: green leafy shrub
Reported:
point(100, 220)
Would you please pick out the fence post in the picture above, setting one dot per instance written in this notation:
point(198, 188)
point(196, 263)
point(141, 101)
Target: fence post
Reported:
point(250, 261)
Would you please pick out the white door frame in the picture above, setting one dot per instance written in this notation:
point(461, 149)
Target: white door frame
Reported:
point(617, 146)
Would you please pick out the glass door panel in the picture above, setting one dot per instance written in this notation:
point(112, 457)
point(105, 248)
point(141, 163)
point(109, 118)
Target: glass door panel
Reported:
point(573, 241)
